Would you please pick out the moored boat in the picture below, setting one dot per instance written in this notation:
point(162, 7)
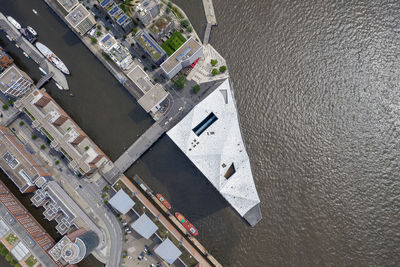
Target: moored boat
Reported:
point(14, 22)
point(31, 30)
point(52, 57)
point(163, 201)
point(34, 11)
point(186, 224)
point(28, 35)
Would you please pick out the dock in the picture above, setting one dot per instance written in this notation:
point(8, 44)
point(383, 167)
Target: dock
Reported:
point(211, 19)
point(33, 53)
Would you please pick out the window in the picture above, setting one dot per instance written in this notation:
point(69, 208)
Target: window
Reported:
point(231, 171)
point(204, 124)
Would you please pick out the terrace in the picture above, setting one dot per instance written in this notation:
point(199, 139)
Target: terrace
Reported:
point(150, 46)
point(173, 43)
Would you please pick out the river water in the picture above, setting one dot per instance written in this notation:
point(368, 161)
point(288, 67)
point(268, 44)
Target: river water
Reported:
point(316, 83)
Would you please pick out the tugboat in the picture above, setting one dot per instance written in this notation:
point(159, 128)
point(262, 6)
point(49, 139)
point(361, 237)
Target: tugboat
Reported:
point(163, 201)
point(186, 224)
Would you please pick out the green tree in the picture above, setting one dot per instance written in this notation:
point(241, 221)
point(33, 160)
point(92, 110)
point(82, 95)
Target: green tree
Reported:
point(42, 147)
point(34, 136)
point(107, 28)
point(10, 102)
point(196, 88)
point(5, 107)
point(213, 62)
point(98, 33)
point(214, 72)
point(99, 27)
point(93, 40)
point(185, 23)
point(13, 262)
point(4, 251)
point(189, 28)
point(222, 69)
point(21, 123)
point(8, 257)
point(180, 82)
point(170, 4)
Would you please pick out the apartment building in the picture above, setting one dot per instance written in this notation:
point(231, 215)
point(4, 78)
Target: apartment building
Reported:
point(14, 82)
point(5, 60)
point(65, 136)
point(118, 53)
point(68, 5)
point(117, 14)
point(20, 165)
point(147, 10)
point(151, 47)
point(81, 19)
point(181, 58)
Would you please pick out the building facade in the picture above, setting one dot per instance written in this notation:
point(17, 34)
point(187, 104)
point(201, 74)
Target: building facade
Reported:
point(181, 58)
point(5, 60)
point(81, 19)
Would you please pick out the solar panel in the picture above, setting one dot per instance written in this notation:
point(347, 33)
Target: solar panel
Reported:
point(104, 2)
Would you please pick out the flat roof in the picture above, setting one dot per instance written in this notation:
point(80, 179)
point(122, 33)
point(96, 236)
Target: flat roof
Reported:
point(168, 251)
point(68, 5)
point(150, 45)
point(10, 76)
point(121, 202)
point(107, 42)
point(140, 78)
point(77, 15)
point(153, 97)
point(186, 50)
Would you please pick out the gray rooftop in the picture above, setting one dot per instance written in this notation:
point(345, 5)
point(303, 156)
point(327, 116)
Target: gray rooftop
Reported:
point(168, 251)
point(77, 15)
point(10, 76)
point(144, 226)
point(153, 97)
point(121, 202)
point(68, 5)
point(140, 78)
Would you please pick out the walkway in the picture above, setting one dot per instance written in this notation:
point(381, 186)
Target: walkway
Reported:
point(207, 34)
point(211, 19)
point(44, 79)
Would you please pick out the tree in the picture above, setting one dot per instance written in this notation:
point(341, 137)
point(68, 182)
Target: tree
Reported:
point(8, 257)
point(5, 107)
point(10, 102)
point(13, 262)
point(185, 23)
point(214, 72)
point(42, 147)
point(98, 33)
point(99, 27)
point(21, 123)
point(4, 251)
point(180, 82)
point(213, 62)
point(196, 88)
point(94, 40)
point(222, 69)
point(170, 4)
point(34, 136)
point(189, 29)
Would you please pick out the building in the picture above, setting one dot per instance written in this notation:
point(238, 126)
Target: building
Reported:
point(160, 28)
point(181, 58)
point(22, 234)
point(147, 10)
point(14, 82)
point(168, 251)
point(68, 5)
point(84, 156)
point(117, 52)
point(144, 226)
point(210, 137)
point(81, 19)
point(59, 206)
point(5, 60)
point(73, 248)
point(117, 14)
point(151, 47)
point(21, 166)
point(121, 202)
point(153, 96)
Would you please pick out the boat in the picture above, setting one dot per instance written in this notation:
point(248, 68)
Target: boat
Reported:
point(186, 224)
point(42, 70)
point(14, 22)
point(34, 11)
point(52, 57)
point(28, 35)
point(31, 30)
point(163, 201)
point(25, 54)
point(8, 37)
point(59, 86)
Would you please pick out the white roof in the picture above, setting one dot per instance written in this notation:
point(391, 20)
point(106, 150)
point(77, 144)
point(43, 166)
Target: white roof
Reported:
point(20, 251)
point(218, 147)
point(121, 202)
point(168, 251)
point(144, 226)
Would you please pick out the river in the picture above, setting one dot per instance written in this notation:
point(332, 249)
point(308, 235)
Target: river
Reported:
point(316, 84)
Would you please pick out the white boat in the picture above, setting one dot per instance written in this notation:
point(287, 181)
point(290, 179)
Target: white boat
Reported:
point(8, 37)
point(52, 57)
point(42, 70)
point(14, 22)
point(59, 86)
point(34, 11)
point(25, 54)
point(31, 30)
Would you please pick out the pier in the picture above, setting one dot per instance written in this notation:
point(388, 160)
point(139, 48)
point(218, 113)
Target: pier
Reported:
point(44, 79)
point(33, 53)
point(211, 19)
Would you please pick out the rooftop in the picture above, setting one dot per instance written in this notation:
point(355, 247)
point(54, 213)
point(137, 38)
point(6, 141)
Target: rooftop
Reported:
point(77, 15)
point(168, 251)
point(121, 202)
point(150, 45)
point(189, 48)
point(68, 5)
point(140, 78)
point(108, 42)
point(10, 76)
point(210, 137)
point(153, 97)
point(144, 226)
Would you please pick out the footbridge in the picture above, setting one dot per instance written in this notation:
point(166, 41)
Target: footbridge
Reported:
point(44, 79)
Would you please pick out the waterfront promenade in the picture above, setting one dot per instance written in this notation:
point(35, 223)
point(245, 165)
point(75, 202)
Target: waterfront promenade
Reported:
point(211, 19)
point(32, 51)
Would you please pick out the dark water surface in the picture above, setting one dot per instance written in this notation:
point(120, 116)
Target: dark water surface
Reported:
point(316, 83)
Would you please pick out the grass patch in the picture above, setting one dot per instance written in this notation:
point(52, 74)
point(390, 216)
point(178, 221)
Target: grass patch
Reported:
point(173, 43)
point(31, 261)
point(29, 114)
point(51, 138)
point(12, 239)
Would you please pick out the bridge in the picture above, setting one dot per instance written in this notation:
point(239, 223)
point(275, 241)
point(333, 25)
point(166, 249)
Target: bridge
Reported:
point(44, 79)
point(207, 34)
point(210, 17)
